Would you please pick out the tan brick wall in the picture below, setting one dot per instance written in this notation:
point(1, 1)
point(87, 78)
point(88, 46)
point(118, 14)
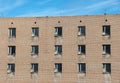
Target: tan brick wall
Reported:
point(69, 41)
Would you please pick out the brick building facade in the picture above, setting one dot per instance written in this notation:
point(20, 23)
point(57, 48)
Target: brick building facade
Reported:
point(68, 49)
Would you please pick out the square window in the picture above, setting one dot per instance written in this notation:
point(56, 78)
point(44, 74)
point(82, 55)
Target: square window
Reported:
point(106, 30)
point(81, 49)
point(58, 68)
point(58, 31)
point(81, 30)
point(35, 50)
point(58, 49)
point(34, 68)
point(11, 68)
point(35, 32)
point(12, 50)
point(106, 68)
point(106, 50)
point(81, 67)
point(12, 32)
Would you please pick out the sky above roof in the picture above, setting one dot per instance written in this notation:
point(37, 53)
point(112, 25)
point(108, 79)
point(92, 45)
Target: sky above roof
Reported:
point(31, 8)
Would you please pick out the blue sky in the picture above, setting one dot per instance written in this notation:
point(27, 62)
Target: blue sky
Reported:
point(30, 8)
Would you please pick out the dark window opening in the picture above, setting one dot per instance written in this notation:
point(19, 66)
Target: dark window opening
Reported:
point(11, 68)
point(12, 50)
point(106, 30)
point(81, 30)
point(106, 68)
point(58, 49)
point(81, 49)
point(12, 32)
point(82, 67)
point(34, 68)
point(58, 31)
point(106, 49)
point(58, 68)
point(35, 49)
point(35, 31)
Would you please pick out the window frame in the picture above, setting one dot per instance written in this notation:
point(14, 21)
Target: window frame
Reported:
point(106, 49)
point(106, 30)
point(35, 31)
point(11, 51)
point(12, 32)
point(81, 49)
point(81, 30)
point(58, 68)
point(33, 69)
point(58, 49)
point(58, 31)
point(11, 68)
point(106, 68)
point(80, 68)
point(35, 50)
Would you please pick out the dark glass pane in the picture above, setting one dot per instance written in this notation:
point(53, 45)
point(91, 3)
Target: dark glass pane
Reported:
point(36, 49)
point(60, 31)
point(36, 67)
point(108, 68)
point(83, 68)
point(83, 30)
point(59, 49)
point(36, 32)
point(83, 49)
point(108, 49)
point(108, 30)
point(60, 67)
point(13, 32)
point(13, 49)
point(12, 67)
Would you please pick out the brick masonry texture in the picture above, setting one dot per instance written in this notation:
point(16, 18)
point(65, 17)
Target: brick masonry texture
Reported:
point(69, 41)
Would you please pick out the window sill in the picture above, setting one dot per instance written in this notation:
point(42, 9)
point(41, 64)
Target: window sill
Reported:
point(107, 35)
point(81, 72)
point(81, 53)
point(12, 55)
point(106, 54)
point(58, 73)
point(35, 36)
point(81, 35)
point(57, 35)
point(57, 54)
point(12, 37)
point(34, 54)
point(11, 74)
point(34, 72)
